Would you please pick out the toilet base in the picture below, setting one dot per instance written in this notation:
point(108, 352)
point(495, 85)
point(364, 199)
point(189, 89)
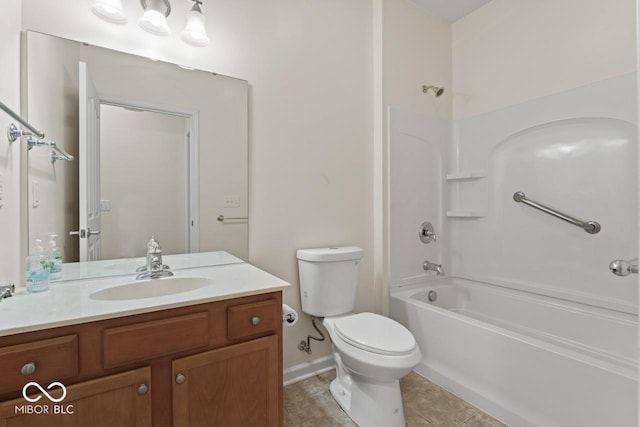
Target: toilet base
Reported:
point(369, 404)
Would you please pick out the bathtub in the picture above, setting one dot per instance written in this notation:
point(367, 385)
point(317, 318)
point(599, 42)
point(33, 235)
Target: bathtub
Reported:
point(526, 359)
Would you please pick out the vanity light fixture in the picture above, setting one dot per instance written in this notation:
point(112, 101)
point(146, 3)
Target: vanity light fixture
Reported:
point(194, 32)
point(154, 19)
point(109, 10)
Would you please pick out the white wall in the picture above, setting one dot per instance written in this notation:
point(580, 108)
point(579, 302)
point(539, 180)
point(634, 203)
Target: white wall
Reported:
point(508, 51)
point(11, 218)
point(310, 69)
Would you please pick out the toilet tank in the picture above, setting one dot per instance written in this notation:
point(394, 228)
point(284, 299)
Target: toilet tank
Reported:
point(328, 279)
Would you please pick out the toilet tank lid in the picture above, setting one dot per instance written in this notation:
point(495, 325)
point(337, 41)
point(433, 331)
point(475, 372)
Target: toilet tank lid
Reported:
point(343, 253)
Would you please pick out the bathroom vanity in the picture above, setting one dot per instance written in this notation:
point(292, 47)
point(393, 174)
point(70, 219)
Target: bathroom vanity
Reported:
point(206, 356)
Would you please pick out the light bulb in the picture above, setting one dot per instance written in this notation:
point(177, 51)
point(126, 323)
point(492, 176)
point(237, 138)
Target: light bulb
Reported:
point(154, 21)
point(109, 10)
point(194, 32)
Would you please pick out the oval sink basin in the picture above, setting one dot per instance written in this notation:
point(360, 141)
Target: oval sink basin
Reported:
point(151, 288)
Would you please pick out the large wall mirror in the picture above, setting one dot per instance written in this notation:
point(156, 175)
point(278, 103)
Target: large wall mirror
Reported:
point(158, 150)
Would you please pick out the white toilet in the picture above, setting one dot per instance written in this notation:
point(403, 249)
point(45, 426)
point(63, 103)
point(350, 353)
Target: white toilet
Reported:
point(371, 352)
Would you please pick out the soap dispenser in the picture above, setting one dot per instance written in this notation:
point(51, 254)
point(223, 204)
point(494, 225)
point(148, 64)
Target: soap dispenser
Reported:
point(38, 268)
point(56, 258)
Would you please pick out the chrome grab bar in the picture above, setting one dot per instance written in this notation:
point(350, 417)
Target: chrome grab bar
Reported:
point(590, 227)
point(624, 268)
point(223, 218)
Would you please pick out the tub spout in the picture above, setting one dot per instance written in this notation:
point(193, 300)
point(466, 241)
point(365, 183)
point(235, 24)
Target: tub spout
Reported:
point(434, 267)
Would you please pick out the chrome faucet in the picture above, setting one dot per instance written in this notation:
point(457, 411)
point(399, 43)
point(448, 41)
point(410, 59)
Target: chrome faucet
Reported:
point(434, 267)
point(154, 268)
point(7, 291)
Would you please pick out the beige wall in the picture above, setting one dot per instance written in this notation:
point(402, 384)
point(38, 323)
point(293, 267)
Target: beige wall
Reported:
point(416, 51)
point(52, 105)
point(309, 65)
point(11, 219)
point(508, 51)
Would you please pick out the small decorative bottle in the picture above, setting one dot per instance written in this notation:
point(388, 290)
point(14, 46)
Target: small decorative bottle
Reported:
point(38, 268)
point(56, 259)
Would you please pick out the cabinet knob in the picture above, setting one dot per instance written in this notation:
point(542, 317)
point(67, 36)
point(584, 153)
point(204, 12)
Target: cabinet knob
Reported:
point(28, 368)
point(143, 389)
point(255, 320)
point(180, 379)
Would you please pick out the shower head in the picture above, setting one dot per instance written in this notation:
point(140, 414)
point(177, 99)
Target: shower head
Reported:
point(438, 91)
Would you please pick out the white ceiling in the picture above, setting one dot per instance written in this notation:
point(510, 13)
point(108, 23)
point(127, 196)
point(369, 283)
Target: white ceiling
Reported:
point(451, 10)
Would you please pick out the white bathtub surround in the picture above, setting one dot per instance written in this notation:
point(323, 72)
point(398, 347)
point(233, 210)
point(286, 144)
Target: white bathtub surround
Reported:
point(574, 151)
point(585, 167)
point(550, 336)
point(526, 359)
point(416, 165)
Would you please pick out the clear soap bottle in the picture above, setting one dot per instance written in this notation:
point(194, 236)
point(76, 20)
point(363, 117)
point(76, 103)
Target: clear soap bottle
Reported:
point(38, 268)
point(55, 272)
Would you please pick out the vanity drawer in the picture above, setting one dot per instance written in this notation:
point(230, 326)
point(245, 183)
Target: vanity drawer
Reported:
point(149, 340)
point(43, 361)
point(246, 320)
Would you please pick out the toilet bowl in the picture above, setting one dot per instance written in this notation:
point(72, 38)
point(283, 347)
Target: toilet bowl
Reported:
point(373, 345)
point(371, 352)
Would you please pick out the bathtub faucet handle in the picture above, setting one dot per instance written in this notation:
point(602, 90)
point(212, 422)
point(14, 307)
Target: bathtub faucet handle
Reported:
point(624, 268)
point(434, 267)
point(427, 233)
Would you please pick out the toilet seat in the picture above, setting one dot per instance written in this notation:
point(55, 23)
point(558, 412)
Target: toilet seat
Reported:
point(375, 334)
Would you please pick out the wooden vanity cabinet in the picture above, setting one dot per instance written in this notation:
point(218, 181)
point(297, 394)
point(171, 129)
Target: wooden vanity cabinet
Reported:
point(215, 364)
point(115, 400)
point(230, 386)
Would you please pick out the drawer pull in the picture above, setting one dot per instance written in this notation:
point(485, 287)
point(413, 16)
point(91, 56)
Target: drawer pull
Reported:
point(28, 368)
point(180, 379)
point(143, 389)
point(255, 320)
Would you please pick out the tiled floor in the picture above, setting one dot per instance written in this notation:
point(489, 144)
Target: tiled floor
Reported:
point(309, 404)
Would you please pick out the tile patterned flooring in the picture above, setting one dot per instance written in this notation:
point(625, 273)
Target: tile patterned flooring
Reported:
point(309, 403)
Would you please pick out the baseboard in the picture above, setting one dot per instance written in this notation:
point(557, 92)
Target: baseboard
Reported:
point(305, 370)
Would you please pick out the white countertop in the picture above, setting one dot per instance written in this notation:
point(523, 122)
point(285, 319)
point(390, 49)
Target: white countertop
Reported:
point(68, 303)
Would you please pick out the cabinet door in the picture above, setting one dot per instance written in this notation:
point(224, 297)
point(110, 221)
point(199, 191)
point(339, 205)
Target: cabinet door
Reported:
point(117, 400)
point(235, 386)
